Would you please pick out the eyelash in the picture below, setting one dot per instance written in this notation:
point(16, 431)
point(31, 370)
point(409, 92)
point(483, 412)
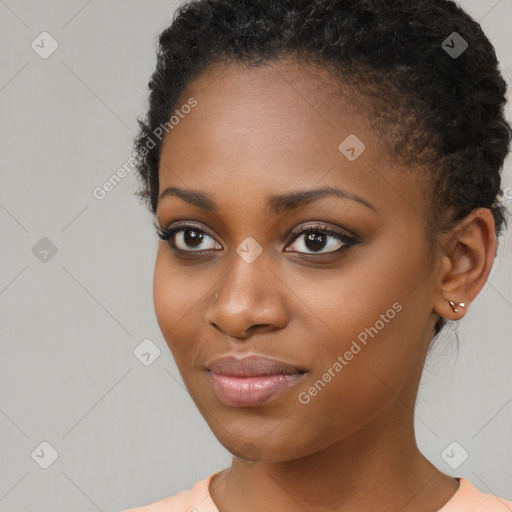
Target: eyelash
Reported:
point(348, 241)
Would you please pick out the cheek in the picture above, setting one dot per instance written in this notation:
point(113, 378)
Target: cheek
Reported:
point(364, 367)
point(371, 319)
point(164, 294)
point(176, 299)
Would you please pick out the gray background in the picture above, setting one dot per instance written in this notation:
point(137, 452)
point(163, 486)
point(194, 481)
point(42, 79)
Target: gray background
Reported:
point(125, 433)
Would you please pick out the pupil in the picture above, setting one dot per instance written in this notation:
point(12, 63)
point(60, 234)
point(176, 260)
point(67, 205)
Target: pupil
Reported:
point(192, 237)
point(315, 241)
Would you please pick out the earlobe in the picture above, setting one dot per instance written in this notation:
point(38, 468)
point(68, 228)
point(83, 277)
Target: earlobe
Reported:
point(465, 266)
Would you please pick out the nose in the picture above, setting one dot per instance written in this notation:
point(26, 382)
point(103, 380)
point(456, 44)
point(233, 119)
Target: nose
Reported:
point(249, 299)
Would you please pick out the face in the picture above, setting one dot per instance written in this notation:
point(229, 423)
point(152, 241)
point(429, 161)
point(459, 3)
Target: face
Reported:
point(335, 284)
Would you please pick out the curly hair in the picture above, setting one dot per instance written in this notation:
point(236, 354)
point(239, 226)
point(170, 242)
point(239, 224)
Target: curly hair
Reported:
point(439, 112)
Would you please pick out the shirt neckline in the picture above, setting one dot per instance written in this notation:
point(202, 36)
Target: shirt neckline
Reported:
point(201, 499)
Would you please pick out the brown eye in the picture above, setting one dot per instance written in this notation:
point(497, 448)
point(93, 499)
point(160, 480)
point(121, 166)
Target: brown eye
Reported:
point(188, 238)
point(320, 240)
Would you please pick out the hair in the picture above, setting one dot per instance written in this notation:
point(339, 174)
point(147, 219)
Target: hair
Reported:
point(441, 114)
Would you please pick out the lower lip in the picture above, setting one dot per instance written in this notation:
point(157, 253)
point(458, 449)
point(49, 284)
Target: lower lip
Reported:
point(250, 391)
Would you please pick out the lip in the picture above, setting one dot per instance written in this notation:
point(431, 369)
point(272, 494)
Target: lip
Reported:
point(251, 380)
point(251, 365)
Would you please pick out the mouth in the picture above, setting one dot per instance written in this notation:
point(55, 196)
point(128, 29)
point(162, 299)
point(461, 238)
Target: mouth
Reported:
point(251, 380)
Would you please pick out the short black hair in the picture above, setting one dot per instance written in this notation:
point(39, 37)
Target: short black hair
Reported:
point(427, 71)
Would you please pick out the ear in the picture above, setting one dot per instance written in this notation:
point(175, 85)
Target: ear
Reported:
point(468, 253)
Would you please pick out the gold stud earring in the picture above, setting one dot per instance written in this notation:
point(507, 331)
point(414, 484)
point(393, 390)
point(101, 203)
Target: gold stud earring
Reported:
point(454, 306)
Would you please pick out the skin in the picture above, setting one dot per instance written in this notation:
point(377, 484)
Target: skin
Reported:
point(272, 130)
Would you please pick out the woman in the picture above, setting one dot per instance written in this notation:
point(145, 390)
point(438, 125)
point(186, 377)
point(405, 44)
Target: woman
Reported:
point(325, 179)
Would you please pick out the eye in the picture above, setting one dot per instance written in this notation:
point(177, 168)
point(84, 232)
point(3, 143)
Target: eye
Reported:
point(320, 239)
point(187, 238)
point(315, 239)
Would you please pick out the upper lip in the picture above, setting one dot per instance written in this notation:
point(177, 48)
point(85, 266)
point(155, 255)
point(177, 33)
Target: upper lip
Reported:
point(251, 365)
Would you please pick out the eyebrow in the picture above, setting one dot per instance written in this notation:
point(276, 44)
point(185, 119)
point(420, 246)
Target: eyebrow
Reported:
point(275, 203)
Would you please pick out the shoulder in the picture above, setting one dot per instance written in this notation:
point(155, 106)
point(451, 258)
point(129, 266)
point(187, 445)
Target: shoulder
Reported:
point(184, 501)
point(178, 502)
point(469, 498)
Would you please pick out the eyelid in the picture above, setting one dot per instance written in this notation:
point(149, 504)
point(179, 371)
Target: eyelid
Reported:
point(322, 226)
point(184, 224)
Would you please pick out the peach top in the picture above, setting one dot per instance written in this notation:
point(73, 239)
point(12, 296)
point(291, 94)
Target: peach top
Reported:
point(467, 498)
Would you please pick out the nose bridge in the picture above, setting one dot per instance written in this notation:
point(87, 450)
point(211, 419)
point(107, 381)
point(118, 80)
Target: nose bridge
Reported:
point(248, 271)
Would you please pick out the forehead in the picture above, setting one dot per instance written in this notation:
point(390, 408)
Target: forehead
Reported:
point(276, 127)
point(272, 98)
